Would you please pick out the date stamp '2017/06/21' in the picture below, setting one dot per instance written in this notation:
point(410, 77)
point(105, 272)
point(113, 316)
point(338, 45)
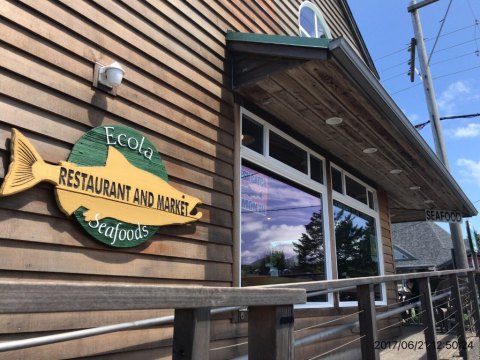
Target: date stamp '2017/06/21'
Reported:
point(421, 345)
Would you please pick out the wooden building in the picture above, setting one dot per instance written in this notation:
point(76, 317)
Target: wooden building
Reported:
point(269, 112)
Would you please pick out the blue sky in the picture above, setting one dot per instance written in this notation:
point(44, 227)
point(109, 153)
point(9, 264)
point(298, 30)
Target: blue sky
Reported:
point(387, 28)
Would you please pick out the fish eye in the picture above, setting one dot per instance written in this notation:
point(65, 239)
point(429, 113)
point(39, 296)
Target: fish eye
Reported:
point(183, 196)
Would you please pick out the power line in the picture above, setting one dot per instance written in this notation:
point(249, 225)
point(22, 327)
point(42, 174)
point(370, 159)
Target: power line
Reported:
point(437, 77)
point(476, 52)
point(469, 116)
point(439, 31)
point(457, 45)
point(427, 39)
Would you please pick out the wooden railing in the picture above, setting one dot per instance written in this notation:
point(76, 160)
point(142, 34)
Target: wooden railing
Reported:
point(270, 311)
point(270, 320)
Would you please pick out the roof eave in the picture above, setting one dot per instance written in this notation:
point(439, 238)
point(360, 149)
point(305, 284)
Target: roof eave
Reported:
point(347, 59)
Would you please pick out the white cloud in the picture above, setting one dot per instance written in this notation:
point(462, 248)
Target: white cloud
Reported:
point(470, 169)
point(470, 131)
point(455, 93)
point(275, 237)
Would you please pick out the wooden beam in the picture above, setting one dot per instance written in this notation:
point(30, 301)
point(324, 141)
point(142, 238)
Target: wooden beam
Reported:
point(270, 332)
point(368, 321)
point(474, 296)
point(191, 334)
point(458, 307)
point(429, 319)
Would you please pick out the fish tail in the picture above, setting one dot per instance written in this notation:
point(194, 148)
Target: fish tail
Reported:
point(20, 174)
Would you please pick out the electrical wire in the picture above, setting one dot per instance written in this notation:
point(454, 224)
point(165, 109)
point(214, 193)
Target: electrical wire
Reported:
point(437, 77)
point(439, 31)
point(422, 125)
point(427, 39)
point(476, 52)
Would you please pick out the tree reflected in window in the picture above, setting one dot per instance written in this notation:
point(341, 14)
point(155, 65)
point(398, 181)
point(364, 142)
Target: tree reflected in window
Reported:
point(282, 231)
point(356, 245)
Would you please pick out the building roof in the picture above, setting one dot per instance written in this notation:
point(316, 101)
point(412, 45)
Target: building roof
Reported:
point(427, 242)
point(304, 81)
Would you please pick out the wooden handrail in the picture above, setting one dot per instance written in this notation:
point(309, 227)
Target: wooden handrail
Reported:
point(340, 283)
point(270, 318)
point(22, 297)
point(270, 308)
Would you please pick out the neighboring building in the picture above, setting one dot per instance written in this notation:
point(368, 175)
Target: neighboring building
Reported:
point(423, 246)
point(301, 159)
point(420, 246)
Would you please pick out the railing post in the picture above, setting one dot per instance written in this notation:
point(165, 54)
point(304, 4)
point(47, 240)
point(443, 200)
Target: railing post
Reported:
point(368, 322)
point(474, 296)
point(191, 334)
point(270, 332)
point(429, 318)
point(457, 305)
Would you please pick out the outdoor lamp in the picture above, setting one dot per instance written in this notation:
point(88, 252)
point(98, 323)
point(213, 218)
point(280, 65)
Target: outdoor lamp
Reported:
point(111, 75)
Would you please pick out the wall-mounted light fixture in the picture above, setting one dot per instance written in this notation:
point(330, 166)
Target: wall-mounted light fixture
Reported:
point(109, 77)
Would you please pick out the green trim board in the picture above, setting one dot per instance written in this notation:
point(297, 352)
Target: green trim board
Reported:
point(320, 43)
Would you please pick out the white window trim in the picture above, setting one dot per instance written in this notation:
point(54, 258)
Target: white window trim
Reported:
point(318, 16)
point(364, 208)
point(302, 179)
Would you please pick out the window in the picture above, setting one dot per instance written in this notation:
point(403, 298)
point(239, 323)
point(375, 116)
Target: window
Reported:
point(284, 151)
point(356, 245)
point(283, 199)
point(285, 233)
point(252, 135)
point(282, 231)
point(347, 185)
point(337, 180)
point(311, 22)
point(263, 142)
point(357, 233)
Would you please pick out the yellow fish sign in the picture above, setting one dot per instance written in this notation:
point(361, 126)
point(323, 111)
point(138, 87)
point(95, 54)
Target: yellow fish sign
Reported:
point(114, 183)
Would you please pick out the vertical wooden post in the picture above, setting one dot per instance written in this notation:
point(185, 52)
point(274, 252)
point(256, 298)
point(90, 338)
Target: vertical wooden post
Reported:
point(429, 318)
point(191, 334)
point(368, 321)
point(474, 296)
point(270, 332)
point(457, 305)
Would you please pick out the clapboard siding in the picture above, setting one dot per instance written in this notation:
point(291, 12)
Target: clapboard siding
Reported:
point(176, 91)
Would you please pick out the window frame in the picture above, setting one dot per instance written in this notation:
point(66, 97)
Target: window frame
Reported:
point(318, 17)
point(364, 208)
point(303, 180)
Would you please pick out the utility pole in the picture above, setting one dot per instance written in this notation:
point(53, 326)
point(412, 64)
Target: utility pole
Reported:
point(455, 228)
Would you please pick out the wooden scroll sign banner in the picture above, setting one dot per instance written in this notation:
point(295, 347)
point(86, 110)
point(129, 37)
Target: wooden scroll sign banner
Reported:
point(114, 183)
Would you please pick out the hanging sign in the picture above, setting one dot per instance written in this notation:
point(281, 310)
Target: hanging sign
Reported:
point(114, 183)
point(451, 216)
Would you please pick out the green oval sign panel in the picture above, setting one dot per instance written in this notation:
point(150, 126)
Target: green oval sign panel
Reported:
point(92, 150)
point(114, 183)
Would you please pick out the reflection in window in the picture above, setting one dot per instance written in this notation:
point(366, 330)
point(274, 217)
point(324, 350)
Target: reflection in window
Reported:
point(356, 245)
point(282, 232)
point(288, 153)
point(337, 181)
point(252, 135)
point(356, 190)
point(316, 169)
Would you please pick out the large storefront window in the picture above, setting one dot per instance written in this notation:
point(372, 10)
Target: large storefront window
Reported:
point(285, 233)
point(356, 242)
point(282, 231)
point(356, 246)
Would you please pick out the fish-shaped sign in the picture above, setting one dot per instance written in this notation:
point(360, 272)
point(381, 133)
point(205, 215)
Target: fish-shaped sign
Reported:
point(118, 200)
